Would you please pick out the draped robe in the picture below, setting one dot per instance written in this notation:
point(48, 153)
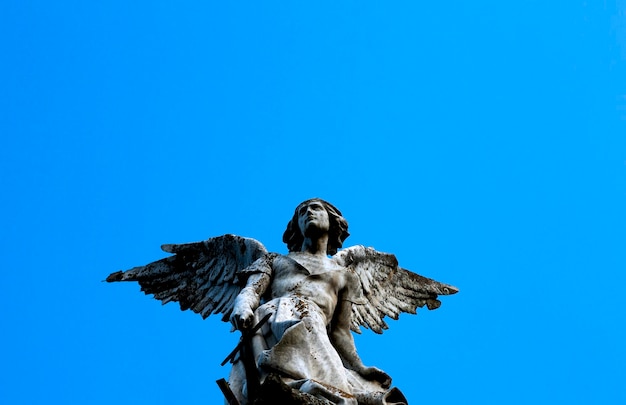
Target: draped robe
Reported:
point(295, 344)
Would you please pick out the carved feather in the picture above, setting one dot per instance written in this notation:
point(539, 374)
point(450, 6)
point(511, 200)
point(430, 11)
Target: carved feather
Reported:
point(201, 276)
point(388, 288)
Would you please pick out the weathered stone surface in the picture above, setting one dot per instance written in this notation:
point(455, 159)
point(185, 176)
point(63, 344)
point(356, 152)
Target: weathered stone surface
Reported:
point(275, 391)
point(295, 311)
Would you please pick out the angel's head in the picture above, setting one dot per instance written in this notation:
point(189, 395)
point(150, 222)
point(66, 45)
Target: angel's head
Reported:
point(337, 226)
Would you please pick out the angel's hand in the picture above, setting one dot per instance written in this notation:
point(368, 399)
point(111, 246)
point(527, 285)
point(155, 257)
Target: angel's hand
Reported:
point(373, 373)
point(241, 317)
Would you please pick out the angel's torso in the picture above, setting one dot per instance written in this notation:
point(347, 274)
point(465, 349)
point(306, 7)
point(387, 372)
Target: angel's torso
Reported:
point(319, 280)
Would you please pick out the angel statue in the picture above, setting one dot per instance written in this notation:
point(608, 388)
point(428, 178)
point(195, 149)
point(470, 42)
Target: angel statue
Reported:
point(295, 311)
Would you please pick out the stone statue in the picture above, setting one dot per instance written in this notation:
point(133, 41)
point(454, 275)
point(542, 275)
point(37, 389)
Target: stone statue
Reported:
point(295, 311)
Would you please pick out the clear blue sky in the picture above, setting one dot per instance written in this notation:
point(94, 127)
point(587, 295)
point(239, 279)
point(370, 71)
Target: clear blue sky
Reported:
point(481, 142)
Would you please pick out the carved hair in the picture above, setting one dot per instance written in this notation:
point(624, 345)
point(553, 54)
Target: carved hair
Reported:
point(337, 233)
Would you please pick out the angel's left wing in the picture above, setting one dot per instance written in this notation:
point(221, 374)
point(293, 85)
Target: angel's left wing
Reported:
point(201, 276)
point(387, 288)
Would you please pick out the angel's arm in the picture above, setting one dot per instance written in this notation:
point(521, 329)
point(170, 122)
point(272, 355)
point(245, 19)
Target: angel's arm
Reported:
point(343, 341)
point(248, 300)
point(250, 296)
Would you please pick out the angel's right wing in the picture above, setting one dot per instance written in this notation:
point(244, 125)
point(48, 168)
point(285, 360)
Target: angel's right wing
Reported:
point(201, 276)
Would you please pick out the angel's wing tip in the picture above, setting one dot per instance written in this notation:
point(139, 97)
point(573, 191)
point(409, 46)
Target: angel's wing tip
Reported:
point(117, 276)
point(168, 248)
point(449, 290)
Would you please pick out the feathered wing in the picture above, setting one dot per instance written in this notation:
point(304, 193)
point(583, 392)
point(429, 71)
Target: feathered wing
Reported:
point(388, 289)
point(201, 276)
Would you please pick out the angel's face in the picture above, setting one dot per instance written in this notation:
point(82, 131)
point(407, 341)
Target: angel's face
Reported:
point(313, 218)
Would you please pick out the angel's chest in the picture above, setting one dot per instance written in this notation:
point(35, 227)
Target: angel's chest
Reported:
point(321, 288)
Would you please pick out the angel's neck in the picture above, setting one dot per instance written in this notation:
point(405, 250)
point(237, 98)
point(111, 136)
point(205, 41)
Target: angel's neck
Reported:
point(316, 246)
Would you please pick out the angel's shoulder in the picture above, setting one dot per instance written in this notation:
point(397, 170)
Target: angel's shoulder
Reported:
point(281, 262)
point(264, 264)
point(283, 265)
point(351, 278)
